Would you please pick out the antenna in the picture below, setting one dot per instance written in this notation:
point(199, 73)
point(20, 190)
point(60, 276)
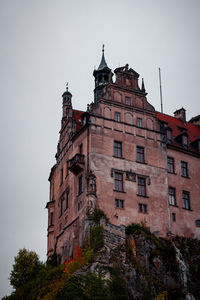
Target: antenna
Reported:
point(160, 90)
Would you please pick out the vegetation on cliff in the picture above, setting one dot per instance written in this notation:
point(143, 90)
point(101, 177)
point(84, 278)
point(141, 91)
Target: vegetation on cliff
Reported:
point(144, 267)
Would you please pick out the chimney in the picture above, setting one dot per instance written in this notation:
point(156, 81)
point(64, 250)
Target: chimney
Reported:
point(180, 114)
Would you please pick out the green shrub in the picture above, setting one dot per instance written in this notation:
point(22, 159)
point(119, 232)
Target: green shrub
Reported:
point(96, 237)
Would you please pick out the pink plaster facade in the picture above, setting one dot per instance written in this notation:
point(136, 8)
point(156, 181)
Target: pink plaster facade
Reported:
point(115, 156)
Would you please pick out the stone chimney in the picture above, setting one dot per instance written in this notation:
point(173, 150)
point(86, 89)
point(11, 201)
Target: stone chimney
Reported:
point(180, 114)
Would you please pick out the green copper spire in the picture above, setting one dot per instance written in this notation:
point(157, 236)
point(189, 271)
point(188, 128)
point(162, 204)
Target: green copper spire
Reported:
point(103, 63)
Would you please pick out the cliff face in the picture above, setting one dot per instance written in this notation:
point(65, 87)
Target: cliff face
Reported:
point(151, 267)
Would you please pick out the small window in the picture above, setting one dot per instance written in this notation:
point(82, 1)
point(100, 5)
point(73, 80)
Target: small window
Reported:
point(119, 203)
point(66, 219)
point(142, 208)
point(184, 169)
point(185, 141)
point(117, 117)
point(81, 148)
point(186, 200)
point(117, 149)
point(173, 217)
point(139, 122)
point(66, 200)
point(80, 184)
point(61, 176)
point(61, 205)
point(170, 164)
point(60, 226)
point(118, 182)
point(51, 219)
point(141, 186)
point(128, 100)
point(169, 136)
point(172, 196)
point(140, 154)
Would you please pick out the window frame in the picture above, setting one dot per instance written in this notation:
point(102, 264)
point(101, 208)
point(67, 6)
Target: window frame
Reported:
point(142, 208)
point(170, 165)
point(172, 196)
point(169, 135)
point(119, 203)
point(117, 116)
point(173, 217)
point(139, 122)
point(80, 184)
point(127, 100)
point(140, 154)
point(117, 149)
point(186, 202)
point(184, 169)
point(185, 141)
point(142, 187)
point(118, 182)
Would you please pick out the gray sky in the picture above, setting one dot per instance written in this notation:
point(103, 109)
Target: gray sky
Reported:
point(44, 44)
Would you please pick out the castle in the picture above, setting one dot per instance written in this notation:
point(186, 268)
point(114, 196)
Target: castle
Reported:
point(121, 155)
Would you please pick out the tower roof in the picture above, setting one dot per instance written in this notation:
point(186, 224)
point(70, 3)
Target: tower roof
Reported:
point(103, 63)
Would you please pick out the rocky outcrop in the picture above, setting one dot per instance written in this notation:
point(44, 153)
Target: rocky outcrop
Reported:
point(151, 267)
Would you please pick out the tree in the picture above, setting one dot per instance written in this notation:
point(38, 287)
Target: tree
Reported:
point(24, 268)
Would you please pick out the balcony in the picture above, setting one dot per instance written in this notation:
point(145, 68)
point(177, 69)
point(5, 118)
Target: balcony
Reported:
point(75, 165)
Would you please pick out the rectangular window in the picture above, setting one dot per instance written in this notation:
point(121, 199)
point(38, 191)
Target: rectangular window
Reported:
point(172, 196)
point(170, 164)
point(186, 200)
point(142, 208)
point(128, 100)
point(61, 176)
point(173, 217)
point(81, 148)
point(80, 184)
point(185, 141)
point(169, 136)
point(139, 122)
point(117, 117)
point(118, 182)
point(184, 169)
point(66, 219)
point(140, 154)
point(51, 219)
point(117, 149)
point(119, 203)
point(61, 204)
point(66, 200)
point(141, 186)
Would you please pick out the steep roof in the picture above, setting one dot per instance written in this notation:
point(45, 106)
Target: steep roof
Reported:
point(178, 128)
point(77, 115)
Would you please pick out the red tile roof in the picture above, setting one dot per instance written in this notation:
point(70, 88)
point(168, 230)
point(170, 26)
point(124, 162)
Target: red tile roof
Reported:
point(77, 115)
point(178, 127)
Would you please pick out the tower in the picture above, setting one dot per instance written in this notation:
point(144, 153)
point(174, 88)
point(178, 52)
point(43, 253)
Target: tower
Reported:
point(102, 75)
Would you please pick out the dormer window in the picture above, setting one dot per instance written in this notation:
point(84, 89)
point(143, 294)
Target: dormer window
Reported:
point(185, 141)
point(169, 136)
point(198, 146)
point(128, 100)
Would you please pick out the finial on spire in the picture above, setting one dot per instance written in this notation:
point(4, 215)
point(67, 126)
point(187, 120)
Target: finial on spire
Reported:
point(67, 86)
point(143, 87)
point(103, 48)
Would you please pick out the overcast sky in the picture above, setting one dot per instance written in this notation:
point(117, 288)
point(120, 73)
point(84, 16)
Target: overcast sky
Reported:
point(46, 43)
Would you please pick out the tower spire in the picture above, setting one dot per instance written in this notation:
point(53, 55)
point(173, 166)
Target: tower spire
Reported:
point(103, 63)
